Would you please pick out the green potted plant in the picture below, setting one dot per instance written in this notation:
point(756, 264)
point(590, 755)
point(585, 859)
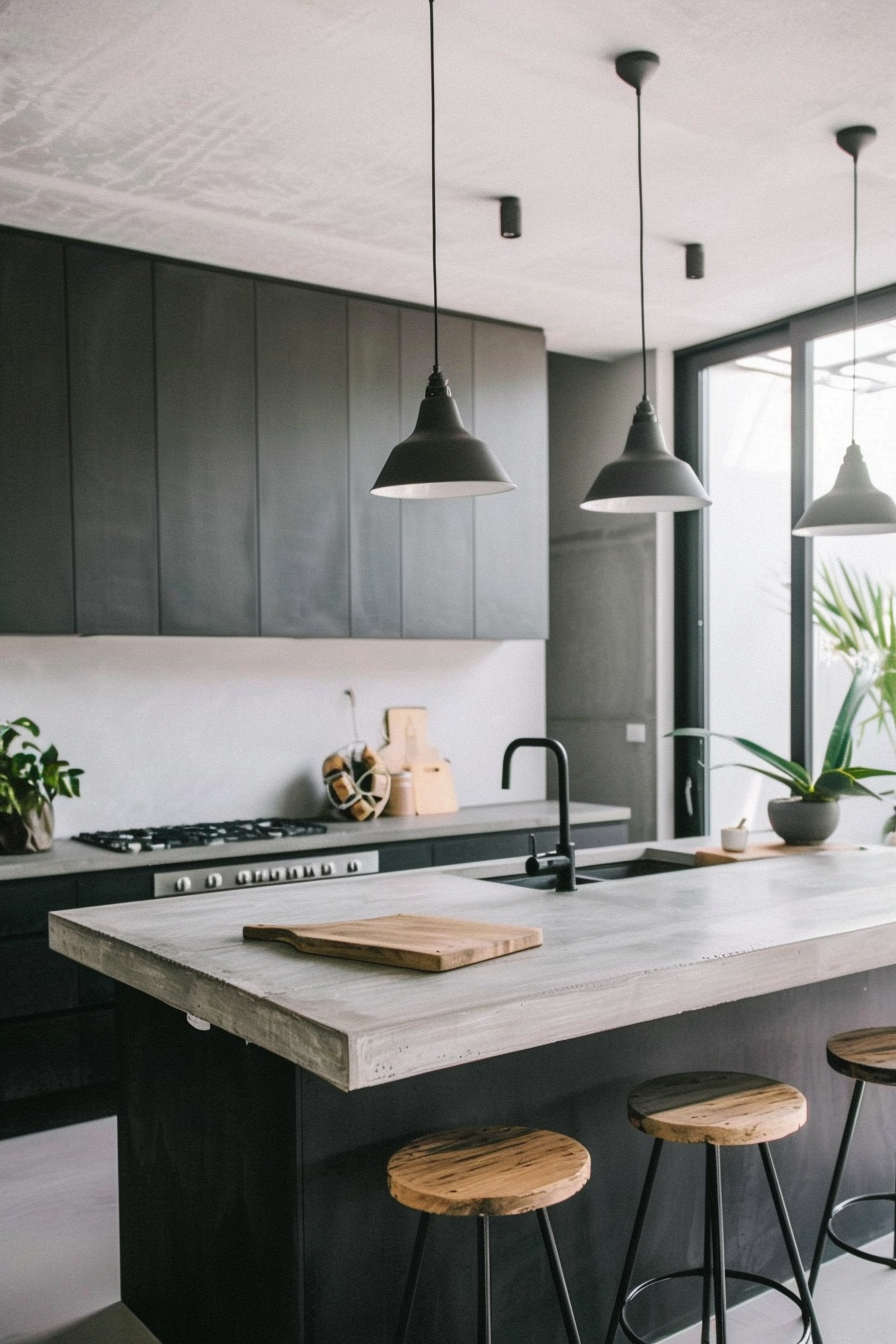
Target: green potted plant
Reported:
point(812, 811)
point(29, 781)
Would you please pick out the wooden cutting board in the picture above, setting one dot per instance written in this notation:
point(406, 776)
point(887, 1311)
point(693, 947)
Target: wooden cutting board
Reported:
point(775, 850)
point(433, 788)
point(419, 942)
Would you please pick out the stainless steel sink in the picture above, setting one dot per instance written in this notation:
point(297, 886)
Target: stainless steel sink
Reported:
point(595, 873)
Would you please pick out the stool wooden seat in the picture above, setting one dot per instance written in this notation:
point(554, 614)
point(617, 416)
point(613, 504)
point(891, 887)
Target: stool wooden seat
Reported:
point(868, 1055)
point(726, 1109)
point(488, 1171)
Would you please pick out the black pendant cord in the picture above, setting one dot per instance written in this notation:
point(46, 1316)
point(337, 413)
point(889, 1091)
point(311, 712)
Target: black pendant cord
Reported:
point(641, 250)
point(432, 145)
point(855, 282)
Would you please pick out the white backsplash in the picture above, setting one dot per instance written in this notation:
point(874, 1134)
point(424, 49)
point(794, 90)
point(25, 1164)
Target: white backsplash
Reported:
point(177, 730)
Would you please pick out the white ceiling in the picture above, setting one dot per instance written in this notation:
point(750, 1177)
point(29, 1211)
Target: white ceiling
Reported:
point(290, 137)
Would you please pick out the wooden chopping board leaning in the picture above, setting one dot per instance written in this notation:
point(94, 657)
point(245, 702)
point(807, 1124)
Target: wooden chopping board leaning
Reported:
point(407, 752)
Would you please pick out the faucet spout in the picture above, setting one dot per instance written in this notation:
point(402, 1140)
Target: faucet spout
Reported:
point(566, 874)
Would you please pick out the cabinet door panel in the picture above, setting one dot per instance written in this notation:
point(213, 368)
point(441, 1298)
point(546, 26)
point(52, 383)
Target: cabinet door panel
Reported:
point(113, 441)
point(24, 905)
point(35, 980)
point(512, 529)
point(205, 369)
point(302, 461)
point(36, 562)
point(374, 430)
point(436, 535)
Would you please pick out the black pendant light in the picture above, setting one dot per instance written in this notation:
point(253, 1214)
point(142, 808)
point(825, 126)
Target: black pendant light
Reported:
point(853, 507)
point(646, 478)
point(440, 460)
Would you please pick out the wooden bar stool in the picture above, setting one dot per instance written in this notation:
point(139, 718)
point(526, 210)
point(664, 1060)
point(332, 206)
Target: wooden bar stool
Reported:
point(719, 1110)
point(488, 1172)
point(866, 1056)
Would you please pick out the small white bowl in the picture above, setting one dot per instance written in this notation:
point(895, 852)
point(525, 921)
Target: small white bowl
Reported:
point(734, 839)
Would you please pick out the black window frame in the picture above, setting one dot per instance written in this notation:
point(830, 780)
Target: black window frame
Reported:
point(691, 670)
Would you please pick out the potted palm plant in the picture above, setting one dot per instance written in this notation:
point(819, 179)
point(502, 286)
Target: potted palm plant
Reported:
point(812, 811)
point(29, 781)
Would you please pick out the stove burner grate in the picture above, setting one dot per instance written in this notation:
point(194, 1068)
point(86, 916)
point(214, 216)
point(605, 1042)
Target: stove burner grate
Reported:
point(145, 838)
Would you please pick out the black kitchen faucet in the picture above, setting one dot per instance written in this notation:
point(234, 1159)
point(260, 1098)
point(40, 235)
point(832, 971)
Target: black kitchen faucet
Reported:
point(562, 860)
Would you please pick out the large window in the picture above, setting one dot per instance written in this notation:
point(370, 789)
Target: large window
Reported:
point(765, 419)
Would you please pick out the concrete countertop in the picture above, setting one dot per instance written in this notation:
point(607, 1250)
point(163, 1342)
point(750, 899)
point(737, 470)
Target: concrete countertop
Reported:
point(73, 856)
point(613, 955)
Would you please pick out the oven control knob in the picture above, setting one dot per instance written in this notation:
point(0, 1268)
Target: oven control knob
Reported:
point(309, 870)
point(182, 884)
point(354, 866)
point(294, 874)
point(278, 874)
point(243, 877)
point(214, 880)
point(328, 869)
point(261, 875)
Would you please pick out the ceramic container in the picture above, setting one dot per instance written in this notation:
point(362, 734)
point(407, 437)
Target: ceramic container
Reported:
point(734, 839)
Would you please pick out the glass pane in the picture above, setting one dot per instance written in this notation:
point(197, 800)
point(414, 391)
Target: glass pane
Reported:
point(869, 561)
point(747, 406)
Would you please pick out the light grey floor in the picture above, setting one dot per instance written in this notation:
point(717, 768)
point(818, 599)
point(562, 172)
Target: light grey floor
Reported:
point(59, 1258)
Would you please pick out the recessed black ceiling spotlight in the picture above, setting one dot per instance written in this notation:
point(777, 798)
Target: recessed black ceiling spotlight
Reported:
point(511, 217)
point(694, 261)
point(439, 460)
point(852, 507)
point(646, 478)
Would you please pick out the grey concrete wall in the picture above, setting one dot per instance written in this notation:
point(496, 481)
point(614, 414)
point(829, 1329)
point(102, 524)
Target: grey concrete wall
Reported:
point(602, 652)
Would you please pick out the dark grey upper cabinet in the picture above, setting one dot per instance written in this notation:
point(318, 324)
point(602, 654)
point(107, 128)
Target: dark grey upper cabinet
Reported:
point(512, 529)
point(374, 429)
point(302, 461)
point(436, 535)
point(113, 441)
point(205, 377)
point(36, 565)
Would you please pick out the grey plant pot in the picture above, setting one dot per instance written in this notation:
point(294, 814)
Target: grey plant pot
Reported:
point(801, 822)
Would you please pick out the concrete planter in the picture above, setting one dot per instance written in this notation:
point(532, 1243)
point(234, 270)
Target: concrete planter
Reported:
point(799, 821)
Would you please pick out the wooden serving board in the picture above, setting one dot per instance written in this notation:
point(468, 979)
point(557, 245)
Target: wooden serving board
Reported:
point(419, 942)
point(775, 850)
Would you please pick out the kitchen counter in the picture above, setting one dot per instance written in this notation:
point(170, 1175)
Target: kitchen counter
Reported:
point(614, 955)
point(72, 856)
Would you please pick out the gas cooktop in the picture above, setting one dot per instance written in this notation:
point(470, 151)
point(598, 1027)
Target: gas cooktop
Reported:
point(145, 838)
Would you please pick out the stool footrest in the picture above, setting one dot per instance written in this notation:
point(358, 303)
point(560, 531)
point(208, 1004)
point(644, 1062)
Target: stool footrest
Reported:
point(890, 1198)
point(739, 1274)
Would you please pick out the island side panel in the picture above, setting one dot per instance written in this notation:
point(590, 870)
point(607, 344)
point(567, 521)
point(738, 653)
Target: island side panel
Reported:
point(208, 1181)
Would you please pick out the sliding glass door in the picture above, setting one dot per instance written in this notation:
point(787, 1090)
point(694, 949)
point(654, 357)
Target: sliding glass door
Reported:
point(769, 627)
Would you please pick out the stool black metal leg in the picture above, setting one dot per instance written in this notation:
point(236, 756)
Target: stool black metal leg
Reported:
point(854, 1106)
point(410, 1290)
point(796, 1263)
point(484, 1334)
point(629, 1266)
point(714, 1181)
point(707, 1260)
point(550, 1245)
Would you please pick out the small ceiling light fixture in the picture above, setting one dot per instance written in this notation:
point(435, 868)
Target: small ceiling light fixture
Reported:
point(439, 460)
point(511, 217)
point(646, 478)
point(853, 507)
point(694, 261)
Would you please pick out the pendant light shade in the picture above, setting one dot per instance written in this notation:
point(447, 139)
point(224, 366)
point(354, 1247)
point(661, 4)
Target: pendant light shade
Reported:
point(439, 460)
point(647, 478)
point(853, 508)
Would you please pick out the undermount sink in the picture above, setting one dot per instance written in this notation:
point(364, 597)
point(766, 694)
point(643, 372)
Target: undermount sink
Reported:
point(594, 873)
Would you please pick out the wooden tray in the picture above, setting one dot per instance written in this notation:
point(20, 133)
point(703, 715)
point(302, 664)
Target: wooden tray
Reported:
point(420, 942)
point(774, 850)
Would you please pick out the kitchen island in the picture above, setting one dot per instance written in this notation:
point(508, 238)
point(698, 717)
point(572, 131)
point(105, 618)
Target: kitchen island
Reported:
point(252, 1155)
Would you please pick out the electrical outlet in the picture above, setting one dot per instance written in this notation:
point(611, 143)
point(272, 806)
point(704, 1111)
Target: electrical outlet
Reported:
point(636, 732)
